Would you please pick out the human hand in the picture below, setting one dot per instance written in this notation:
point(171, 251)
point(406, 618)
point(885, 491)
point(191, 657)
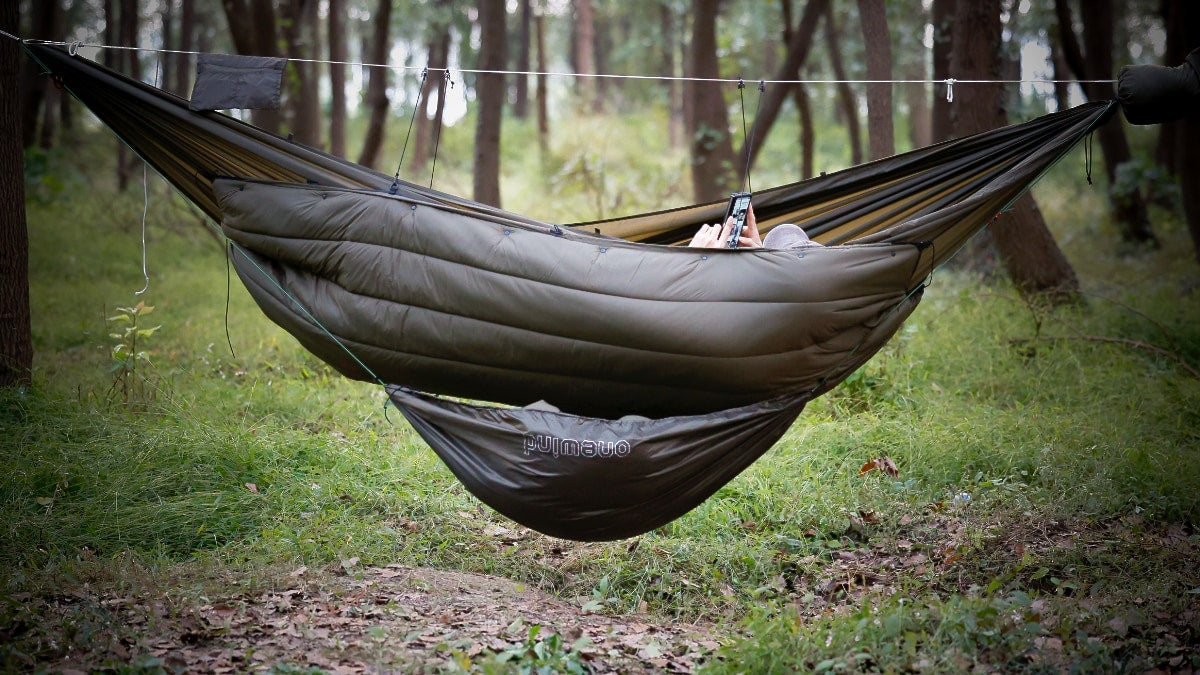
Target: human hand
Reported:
point(715, 236)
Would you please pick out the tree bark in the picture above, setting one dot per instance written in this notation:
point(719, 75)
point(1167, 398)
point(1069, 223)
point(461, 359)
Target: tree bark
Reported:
point(33, 86)
point(16, 340)
point(376, 96)
point(585, 52)
point(667, 26)
point(804, 108)
point(300, 33)
point(493, 47)
point(880, 134)
point(337, 77)
point(846, 99)
point(520, 108)
point(1093, 61)
point(1178, 140)
point(943, 43)
point(187, 43)
point(128, 35)
point(541, 95)
point(1029, 253)
point(428, 127)
point(797, 52)
point(713, 173)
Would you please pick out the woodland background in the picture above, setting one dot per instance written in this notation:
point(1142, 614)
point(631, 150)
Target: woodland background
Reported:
point(1009, 485)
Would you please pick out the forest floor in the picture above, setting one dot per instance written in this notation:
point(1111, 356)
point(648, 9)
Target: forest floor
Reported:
point(364, 619)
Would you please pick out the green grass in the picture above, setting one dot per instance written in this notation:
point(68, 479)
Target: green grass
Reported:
point(264, 457)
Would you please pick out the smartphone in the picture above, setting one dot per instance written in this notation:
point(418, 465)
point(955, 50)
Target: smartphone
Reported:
point(739, 204)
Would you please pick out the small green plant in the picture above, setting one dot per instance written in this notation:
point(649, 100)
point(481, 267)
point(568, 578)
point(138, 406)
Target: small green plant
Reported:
point(547, 655)
point(129, 385)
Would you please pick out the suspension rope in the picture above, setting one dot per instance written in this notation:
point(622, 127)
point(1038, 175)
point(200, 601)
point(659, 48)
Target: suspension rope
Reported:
point(749, 136)
point(551, 73)
point(411, 119)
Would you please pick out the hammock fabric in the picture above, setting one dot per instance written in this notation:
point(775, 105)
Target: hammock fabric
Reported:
point(671, 369)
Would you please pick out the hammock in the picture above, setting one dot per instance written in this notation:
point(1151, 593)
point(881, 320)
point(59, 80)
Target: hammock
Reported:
point(659, 372)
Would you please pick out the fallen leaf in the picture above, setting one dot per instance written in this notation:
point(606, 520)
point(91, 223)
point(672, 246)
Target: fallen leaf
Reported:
point(252, 487)
point(883, 464)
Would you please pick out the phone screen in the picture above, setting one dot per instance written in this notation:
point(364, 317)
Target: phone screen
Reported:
point(739, 204)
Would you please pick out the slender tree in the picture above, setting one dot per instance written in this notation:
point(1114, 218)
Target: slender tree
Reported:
point(1093, 61)
point(797, 50)
point(713, 174)
point(127, 34)
point(33, 85)
point(429, 127)
point(881, 137)
point(585, 52)
point(520, 108)
point(187, 43)
point(541, 95)
point(1029, 253)
point(493, 47)
point(376, 96)
point(16, 341)
point(943, 43)
point(847, 101)
point(300, 36)
point(337, 77)
point(1178, 140)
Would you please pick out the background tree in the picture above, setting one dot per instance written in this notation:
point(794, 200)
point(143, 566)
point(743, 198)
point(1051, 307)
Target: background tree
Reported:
point(942, 20)
point(489, 97)
point(1029, 253)
point(299, 32)
point(713, 175)
point(878, 42)
point(1094, 61)
point(337, 77)
point(847, 102)
point(16, 342)
point(434, 87)
point(376, 98)
point(1177, 143)
point(797, 50)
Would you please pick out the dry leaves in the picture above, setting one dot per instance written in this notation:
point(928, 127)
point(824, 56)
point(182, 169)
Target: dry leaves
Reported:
point(883, 464)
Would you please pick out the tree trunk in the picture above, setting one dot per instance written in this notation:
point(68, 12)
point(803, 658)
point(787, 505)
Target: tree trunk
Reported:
point(489, 98)
point(800, 93)
point(337, 77)
point(16, 341)
point(585, 52)
point(797, 52)
point(1093, 61)
point(187, 43)
point(170, 45)
point(376, 96)
point(435, 84)
point(266, 43)
point(943, 43)
point(33, 84)
point(667, 26)
point(299, 33)
point(601, 42)
point(128, 35)
point(50, 102)
point(541, 95)
point(881, 138)
point(520, 108)
point(1028, 251)
point(713, 173)
point(846, 99)
point(1182, 137)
